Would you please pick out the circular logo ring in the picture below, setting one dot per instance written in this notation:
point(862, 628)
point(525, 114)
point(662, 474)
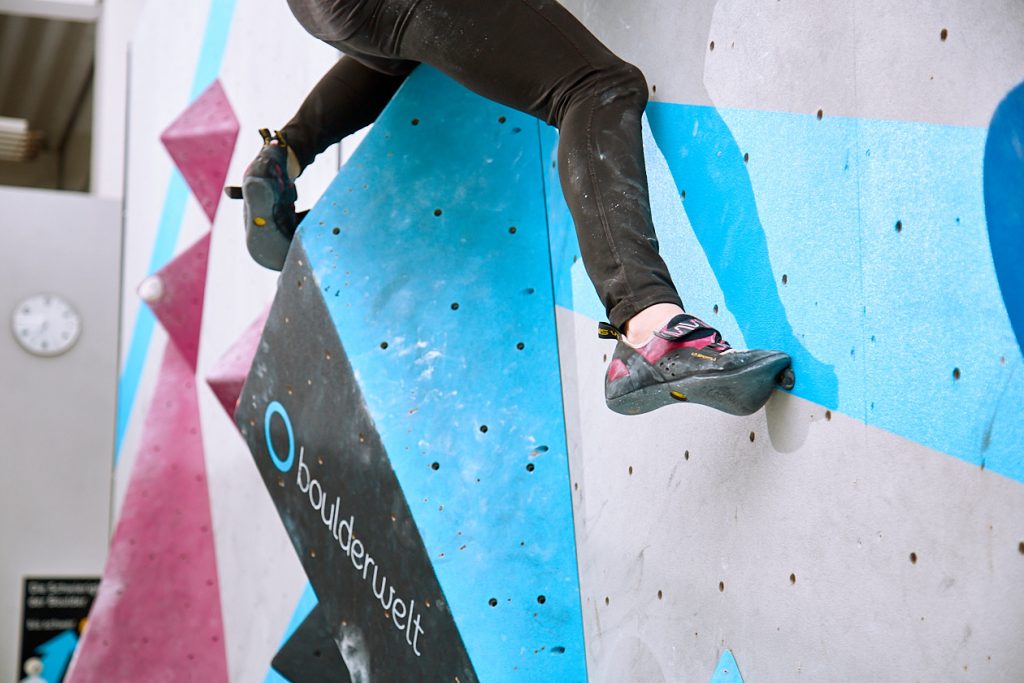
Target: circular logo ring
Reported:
point(276, 408)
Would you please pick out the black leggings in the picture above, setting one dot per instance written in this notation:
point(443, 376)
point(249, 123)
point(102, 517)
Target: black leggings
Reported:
point(534, 56)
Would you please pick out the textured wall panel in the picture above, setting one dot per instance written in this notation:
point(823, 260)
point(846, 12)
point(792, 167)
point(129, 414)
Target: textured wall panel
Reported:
point(434, 269)
point(823, 180)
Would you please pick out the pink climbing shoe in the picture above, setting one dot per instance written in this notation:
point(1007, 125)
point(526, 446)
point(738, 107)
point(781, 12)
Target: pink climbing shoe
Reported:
point(688, 362)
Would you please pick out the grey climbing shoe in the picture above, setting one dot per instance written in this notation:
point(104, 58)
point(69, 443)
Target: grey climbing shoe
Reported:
point(688, 362)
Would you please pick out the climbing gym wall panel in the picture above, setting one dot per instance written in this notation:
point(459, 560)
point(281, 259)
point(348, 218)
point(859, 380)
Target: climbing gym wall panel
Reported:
point(832, 181)
point(404, 406)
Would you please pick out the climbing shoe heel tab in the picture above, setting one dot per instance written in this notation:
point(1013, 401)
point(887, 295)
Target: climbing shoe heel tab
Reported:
point(608, 331)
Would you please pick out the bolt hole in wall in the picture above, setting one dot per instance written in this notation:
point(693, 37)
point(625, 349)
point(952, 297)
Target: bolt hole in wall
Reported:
point(913, 558)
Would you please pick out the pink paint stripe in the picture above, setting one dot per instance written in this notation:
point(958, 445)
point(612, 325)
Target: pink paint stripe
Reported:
point(157, 616)
point(202, 141)
point(180, 306)
point(228, 377)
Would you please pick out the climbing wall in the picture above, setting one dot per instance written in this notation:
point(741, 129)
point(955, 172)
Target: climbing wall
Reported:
point(842, 182)
point(404, 406)
point(185, 485)
point(839, 181)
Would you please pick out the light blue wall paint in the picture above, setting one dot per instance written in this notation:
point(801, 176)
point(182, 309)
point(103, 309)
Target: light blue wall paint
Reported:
point(218, 26)
point(876, 319)
point(493, 527)
point(727, 671)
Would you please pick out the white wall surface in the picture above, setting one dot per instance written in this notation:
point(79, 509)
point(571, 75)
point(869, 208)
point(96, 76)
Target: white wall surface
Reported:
point(56, 414)
point(264, 87)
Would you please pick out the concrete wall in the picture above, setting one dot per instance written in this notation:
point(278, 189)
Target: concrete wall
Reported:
point(175, 52)
point(58, 413)
point(867, 527)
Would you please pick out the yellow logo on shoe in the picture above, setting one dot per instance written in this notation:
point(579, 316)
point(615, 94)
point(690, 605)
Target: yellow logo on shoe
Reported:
point(696, 354)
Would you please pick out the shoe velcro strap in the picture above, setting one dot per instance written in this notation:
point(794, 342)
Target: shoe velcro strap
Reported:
point(608, 331)
point(687, 326)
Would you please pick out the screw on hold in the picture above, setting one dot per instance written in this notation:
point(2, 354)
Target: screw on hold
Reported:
point(659, 595)
point(721, 586)
point(336, 231)
point(943, 34)
point(455, 306)
point(899, 226)
point(493, 602)
point(792, 579)
point(712, 46)
point(437, 212)
point(483, 428)
point(913, 558)
point(415, 122)
point(530, 467)
point(502, 119)
point(820, 114)
point(541, 599)
point(956, 373)
point(751, 437)
point(435, 465)
point(384, 345)
point(512, 230)
point(520, 346)
point(785, 279)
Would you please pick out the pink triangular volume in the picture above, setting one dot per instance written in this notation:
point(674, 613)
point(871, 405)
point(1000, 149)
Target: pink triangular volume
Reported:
point(175, 295)
point(201, 141)
point(228, 376)
point(157, 616)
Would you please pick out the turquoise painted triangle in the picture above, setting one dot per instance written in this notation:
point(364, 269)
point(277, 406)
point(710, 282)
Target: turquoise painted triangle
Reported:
point(727, 671)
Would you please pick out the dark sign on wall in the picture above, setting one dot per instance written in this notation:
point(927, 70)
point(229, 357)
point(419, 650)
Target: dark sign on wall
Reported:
point(53, 616)
point(322, 460)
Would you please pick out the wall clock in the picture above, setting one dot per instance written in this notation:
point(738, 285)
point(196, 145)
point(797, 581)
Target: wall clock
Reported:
point(46, 324)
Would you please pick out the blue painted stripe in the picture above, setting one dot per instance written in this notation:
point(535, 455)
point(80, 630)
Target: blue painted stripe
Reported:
point(904, 328)
point(218, 26)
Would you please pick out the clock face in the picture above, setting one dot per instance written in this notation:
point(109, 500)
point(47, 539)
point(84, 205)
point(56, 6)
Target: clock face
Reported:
point(46, 325)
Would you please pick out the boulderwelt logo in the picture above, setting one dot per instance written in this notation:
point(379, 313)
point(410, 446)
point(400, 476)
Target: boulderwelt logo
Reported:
point(401, 612)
